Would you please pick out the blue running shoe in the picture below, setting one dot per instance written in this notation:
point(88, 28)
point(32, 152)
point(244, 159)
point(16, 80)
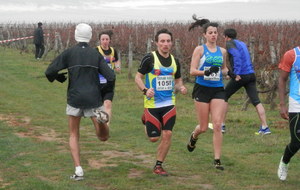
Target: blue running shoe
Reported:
point(223, 129)
point(265, 131)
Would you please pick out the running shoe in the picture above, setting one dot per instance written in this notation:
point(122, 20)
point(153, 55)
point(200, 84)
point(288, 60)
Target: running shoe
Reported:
point(223, 129)
point(218, 165)
point(160, 171)
point(76, 177)
point(282, 170)
point(101, 116)
point(191, 144)
point(264, 131)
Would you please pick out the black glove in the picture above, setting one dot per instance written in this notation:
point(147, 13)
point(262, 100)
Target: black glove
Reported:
point(231, 74)
point(212, 69)
point(61, 77)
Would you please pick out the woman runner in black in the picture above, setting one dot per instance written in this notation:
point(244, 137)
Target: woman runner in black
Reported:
point(112, 59)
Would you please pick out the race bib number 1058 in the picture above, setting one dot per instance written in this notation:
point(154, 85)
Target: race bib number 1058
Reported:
point(164, 82)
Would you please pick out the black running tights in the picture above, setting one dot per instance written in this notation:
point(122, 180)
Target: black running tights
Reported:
point(292, 148)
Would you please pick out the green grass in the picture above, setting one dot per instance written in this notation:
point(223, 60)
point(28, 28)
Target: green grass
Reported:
point(34, 152)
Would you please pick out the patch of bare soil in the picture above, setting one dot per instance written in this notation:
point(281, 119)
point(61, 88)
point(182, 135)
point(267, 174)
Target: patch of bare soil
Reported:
point(134, 173)
point(101, 187)
point(107, 158)
point(107, 161)
point(46, 136)
point(114, 154)
point(13, 121)
point(3, 184)
point(36, 132)
point(100, 163)
point(206, 186)
point(143, 158)
point(194, 181)
point(282, 124)
point(44, 178)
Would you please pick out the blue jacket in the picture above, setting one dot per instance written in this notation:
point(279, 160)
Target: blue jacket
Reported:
point(239, 57)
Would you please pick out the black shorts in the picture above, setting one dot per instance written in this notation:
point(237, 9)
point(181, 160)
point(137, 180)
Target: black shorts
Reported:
point(157, 119)
point(106, 93)
point(248, 82)
point(206, 94)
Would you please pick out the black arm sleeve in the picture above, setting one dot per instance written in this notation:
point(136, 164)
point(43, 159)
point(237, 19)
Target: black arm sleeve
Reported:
point(110, 86)
point(59, 63)
point(146, 65)
point(178, 72)
point(116, 55)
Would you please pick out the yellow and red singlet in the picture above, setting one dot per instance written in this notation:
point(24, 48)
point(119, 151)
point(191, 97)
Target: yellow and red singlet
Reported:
point(162, 80)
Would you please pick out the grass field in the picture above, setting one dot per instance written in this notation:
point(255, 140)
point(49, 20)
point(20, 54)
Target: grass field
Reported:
point(34, 152)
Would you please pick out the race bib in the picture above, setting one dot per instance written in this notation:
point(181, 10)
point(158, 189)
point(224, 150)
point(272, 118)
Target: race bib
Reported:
point(164, 82)
point(212, 76)
point(102, 79)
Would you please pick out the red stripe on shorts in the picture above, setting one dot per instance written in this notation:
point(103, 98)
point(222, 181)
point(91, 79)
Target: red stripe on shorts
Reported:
point(149, 117)
point(169, 114)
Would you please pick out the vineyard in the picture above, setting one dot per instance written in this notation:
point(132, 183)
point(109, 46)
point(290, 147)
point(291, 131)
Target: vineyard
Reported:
point(267, 42)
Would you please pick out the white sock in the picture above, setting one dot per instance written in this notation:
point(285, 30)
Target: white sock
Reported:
point(264, 127)
point(79, 171)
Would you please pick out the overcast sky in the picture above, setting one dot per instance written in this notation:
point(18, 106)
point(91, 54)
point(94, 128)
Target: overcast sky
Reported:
point(31, 11)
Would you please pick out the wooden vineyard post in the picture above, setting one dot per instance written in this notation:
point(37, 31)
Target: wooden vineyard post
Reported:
point(130, 58)
point(149, 46)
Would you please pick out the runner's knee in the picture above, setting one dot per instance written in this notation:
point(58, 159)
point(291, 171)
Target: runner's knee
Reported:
point(217, 127)
point(103, 138)
point(255, 103)
point(153, 139)
point(166, 134)
point(201, 130)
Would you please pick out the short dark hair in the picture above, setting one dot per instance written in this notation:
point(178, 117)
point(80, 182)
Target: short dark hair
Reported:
point(40, 24)
point(230, 32)
point(163, 31)
point(107, 32)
